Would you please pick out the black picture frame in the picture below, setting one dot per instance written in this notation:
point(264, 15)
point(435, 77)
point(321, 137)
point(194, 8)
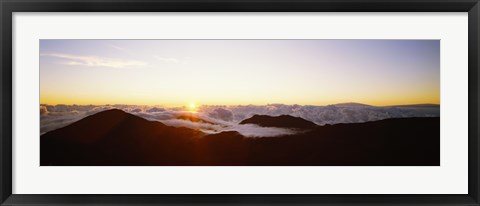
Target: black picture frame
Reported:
point(7, 7)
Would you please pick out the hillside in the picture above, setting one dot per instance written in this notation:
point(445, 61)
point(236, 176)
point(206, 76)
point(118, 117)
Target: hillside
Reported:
point(114, 137)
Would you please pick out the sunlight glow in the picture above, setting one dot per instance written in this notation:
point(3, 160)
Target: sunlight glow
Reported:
point(192, 107)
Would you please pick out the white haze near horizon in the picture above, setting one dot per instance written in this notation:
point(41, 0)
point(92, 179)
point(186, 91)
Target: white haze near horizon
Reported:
point(226, 118)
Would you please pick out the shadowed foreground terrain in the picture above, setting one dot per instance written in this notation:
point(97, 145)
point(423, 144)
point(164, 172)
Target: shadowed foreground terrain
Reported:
point(117, 138)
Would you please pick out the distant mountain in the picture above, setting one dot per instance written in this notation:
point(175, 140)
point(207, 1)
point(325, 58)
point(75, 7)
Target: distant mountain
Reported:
point(351, 104)
point(355, 104)
point(417, 105)
point(284, 121)
point(114, 137)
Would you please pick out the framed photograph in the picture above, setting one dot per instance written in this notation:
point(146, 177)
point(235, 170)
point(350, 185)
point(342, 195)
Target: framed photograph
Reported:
point(231, 102)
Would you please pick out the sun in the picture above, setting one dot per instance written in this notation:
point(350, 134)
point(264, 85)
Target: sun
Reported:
point(192, 107)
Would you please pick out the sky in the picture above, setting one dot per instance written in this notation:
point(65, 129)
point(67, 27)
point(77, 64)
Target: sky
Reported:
point(239, 72)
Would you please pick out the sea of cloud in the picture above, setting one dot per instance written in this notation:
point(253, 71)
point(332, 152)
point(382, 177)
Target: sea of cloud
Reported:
point(218, 118)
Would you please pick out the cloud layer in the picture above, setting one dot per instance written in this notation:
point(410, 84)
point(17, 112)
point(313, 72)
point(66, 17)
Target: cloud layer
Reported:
point(214, 119)
point(95, 61)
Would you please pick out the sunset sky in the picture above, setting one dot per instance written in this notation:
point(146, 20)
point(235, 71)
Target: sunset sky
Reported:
point(237, 72)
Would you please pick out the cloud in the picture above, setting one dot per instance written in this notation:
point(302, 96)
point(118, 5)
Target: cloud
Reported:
point(331, 114)
point(204, 127)
point(49, 123)
point(226, 118)
point(43, 110)
point(223, 114)
point(250, 130)
point(156, 109)
point(120, 48)
point(136, 110)
point(95, 61)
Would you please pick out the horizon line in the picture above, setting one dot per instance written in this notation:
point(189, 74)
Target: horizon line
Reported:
point(200, 105)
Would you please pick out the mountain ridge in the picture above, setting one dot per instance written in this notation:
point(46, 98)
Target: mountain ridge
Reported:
point(124, 139)
point(281, 121)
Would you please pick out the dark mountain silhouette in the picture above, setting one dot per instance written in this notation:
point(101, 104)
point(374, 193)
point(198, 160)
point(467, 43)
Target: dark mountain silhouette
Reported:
point(285, 121)
point(355, 104)
point(351, 104)
point(416, 105)
point(114, 137)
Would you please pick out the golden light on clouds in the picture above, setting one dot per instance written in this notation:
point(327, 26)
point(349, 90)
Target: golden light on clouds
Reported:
point(192, 107)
